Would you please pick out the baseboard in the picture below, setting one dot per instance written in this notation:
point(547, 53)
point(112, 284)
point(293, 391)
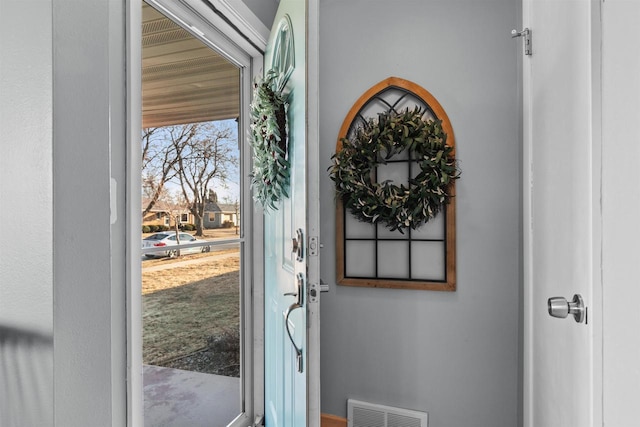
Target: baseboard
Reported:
point(327, 420)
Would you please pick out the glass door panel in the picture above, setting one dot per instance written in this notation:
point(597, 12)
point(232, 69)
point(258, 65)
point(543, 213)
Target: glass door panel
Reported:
point(192, 235)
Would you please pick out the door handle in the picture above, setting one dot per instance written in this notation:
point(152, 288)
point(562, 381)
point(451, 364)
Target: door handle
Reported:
point(561, 308)
point(292, 307)
point(297, 349)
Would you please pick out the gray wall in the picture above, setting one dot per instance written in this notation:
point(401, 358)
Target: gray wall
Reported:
point(455, 355)
point(263, 9)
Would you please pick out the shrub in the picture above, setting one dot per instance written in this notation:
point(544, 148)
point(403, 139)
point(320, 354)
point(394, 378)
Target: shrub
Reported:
point(163, 228)
point(153, 228)
point(226, 341)
point(146, 229)
point(188, 227)
point(227, 224)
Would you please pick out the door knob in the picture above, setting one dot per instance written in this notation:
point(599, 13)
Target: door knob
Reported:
point(561, 308)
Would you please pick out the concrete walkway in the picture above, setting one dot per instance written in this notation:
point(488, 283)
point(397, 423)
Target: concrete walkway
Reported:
point(177, 398)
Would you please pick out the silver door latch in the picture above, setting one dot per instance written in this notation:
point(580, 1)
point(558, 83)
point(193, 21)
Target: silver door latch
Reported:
point(526, 36)
point(561, 308)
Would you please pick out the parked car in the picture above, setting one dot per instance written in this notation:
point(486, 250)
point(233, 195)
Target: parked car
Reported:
point(167, 239)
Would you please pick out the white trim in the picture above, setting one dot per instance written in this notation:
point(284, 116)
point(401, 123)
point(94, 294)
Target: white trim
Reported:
point(596, 297)
point(256, 216)
point(135, 398)
point(527, 227)
point(527, 236)
point(313, 211)
point(242, 17)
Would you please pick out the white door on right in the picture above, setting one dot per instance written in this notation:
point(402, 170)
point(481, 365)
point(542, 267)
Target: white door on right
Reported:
point(561, 87)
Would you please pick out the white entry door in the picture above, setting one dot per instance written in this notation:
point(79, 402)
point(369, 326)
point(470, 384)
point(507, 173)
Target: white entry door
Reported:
point(291, 311)
point(562, 369)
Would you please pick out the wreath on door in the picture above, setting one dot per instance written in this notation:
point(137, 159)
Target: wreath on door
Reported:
point(375, 143)
point(269, 140)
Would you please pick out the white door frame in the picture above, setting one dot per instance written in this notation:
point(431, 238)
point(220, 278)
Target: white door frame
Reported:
point(621, 209)
point(244, 46)
point(313, 208)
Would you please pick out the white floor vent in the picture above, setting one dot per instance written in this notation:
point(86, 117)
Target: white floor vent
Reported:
point(362, 414)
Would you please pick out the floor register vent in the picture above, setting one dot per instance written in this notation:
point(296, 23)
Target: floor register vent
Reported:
point(362, 414)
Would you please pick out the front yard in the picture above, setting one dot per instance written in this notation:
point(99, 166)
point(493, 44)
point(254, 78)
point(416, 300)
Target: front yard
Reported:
point(191, 315)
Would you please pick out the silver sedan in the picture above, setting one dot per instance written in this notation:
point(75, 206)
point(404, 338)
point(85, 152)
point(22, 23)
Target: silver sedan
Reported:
point(164, 240)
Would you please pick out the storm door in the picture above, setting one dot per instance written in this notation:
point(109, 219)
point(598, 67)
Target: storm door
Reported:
point(197, 222)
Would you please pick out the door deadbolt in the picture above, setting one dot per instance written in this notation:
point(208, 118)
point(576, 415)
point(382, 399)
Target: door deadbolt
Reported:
point(561, 308)
point(297, 245)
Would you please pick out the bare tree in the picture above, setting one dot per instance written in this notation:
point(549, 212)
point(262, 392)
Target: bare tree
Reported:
point(160, 153)
point(207, 157)
point(175, 206)
point(152, 192)
point(148, 149)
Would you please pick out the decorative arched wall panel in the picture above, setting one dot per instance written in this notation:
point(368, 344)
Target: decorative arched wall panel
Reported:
point(370, 254)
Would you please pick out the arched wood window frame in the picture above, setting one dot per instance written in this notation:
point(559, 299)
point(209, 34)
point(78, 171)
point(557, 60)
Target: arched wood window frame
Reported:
point(449, 282)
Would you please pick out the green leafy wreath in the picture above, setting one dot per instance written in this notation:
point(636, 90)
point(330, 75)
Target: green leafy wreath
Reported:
point(270, 175)
point(376, 142)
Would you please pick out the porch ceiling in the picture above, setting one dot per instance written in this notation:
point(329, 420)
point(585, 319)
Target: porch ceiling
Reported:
point(183, 81)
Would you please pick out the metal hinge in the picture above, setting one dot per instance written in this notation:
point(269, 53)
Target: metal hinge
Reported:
point(526, 36)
